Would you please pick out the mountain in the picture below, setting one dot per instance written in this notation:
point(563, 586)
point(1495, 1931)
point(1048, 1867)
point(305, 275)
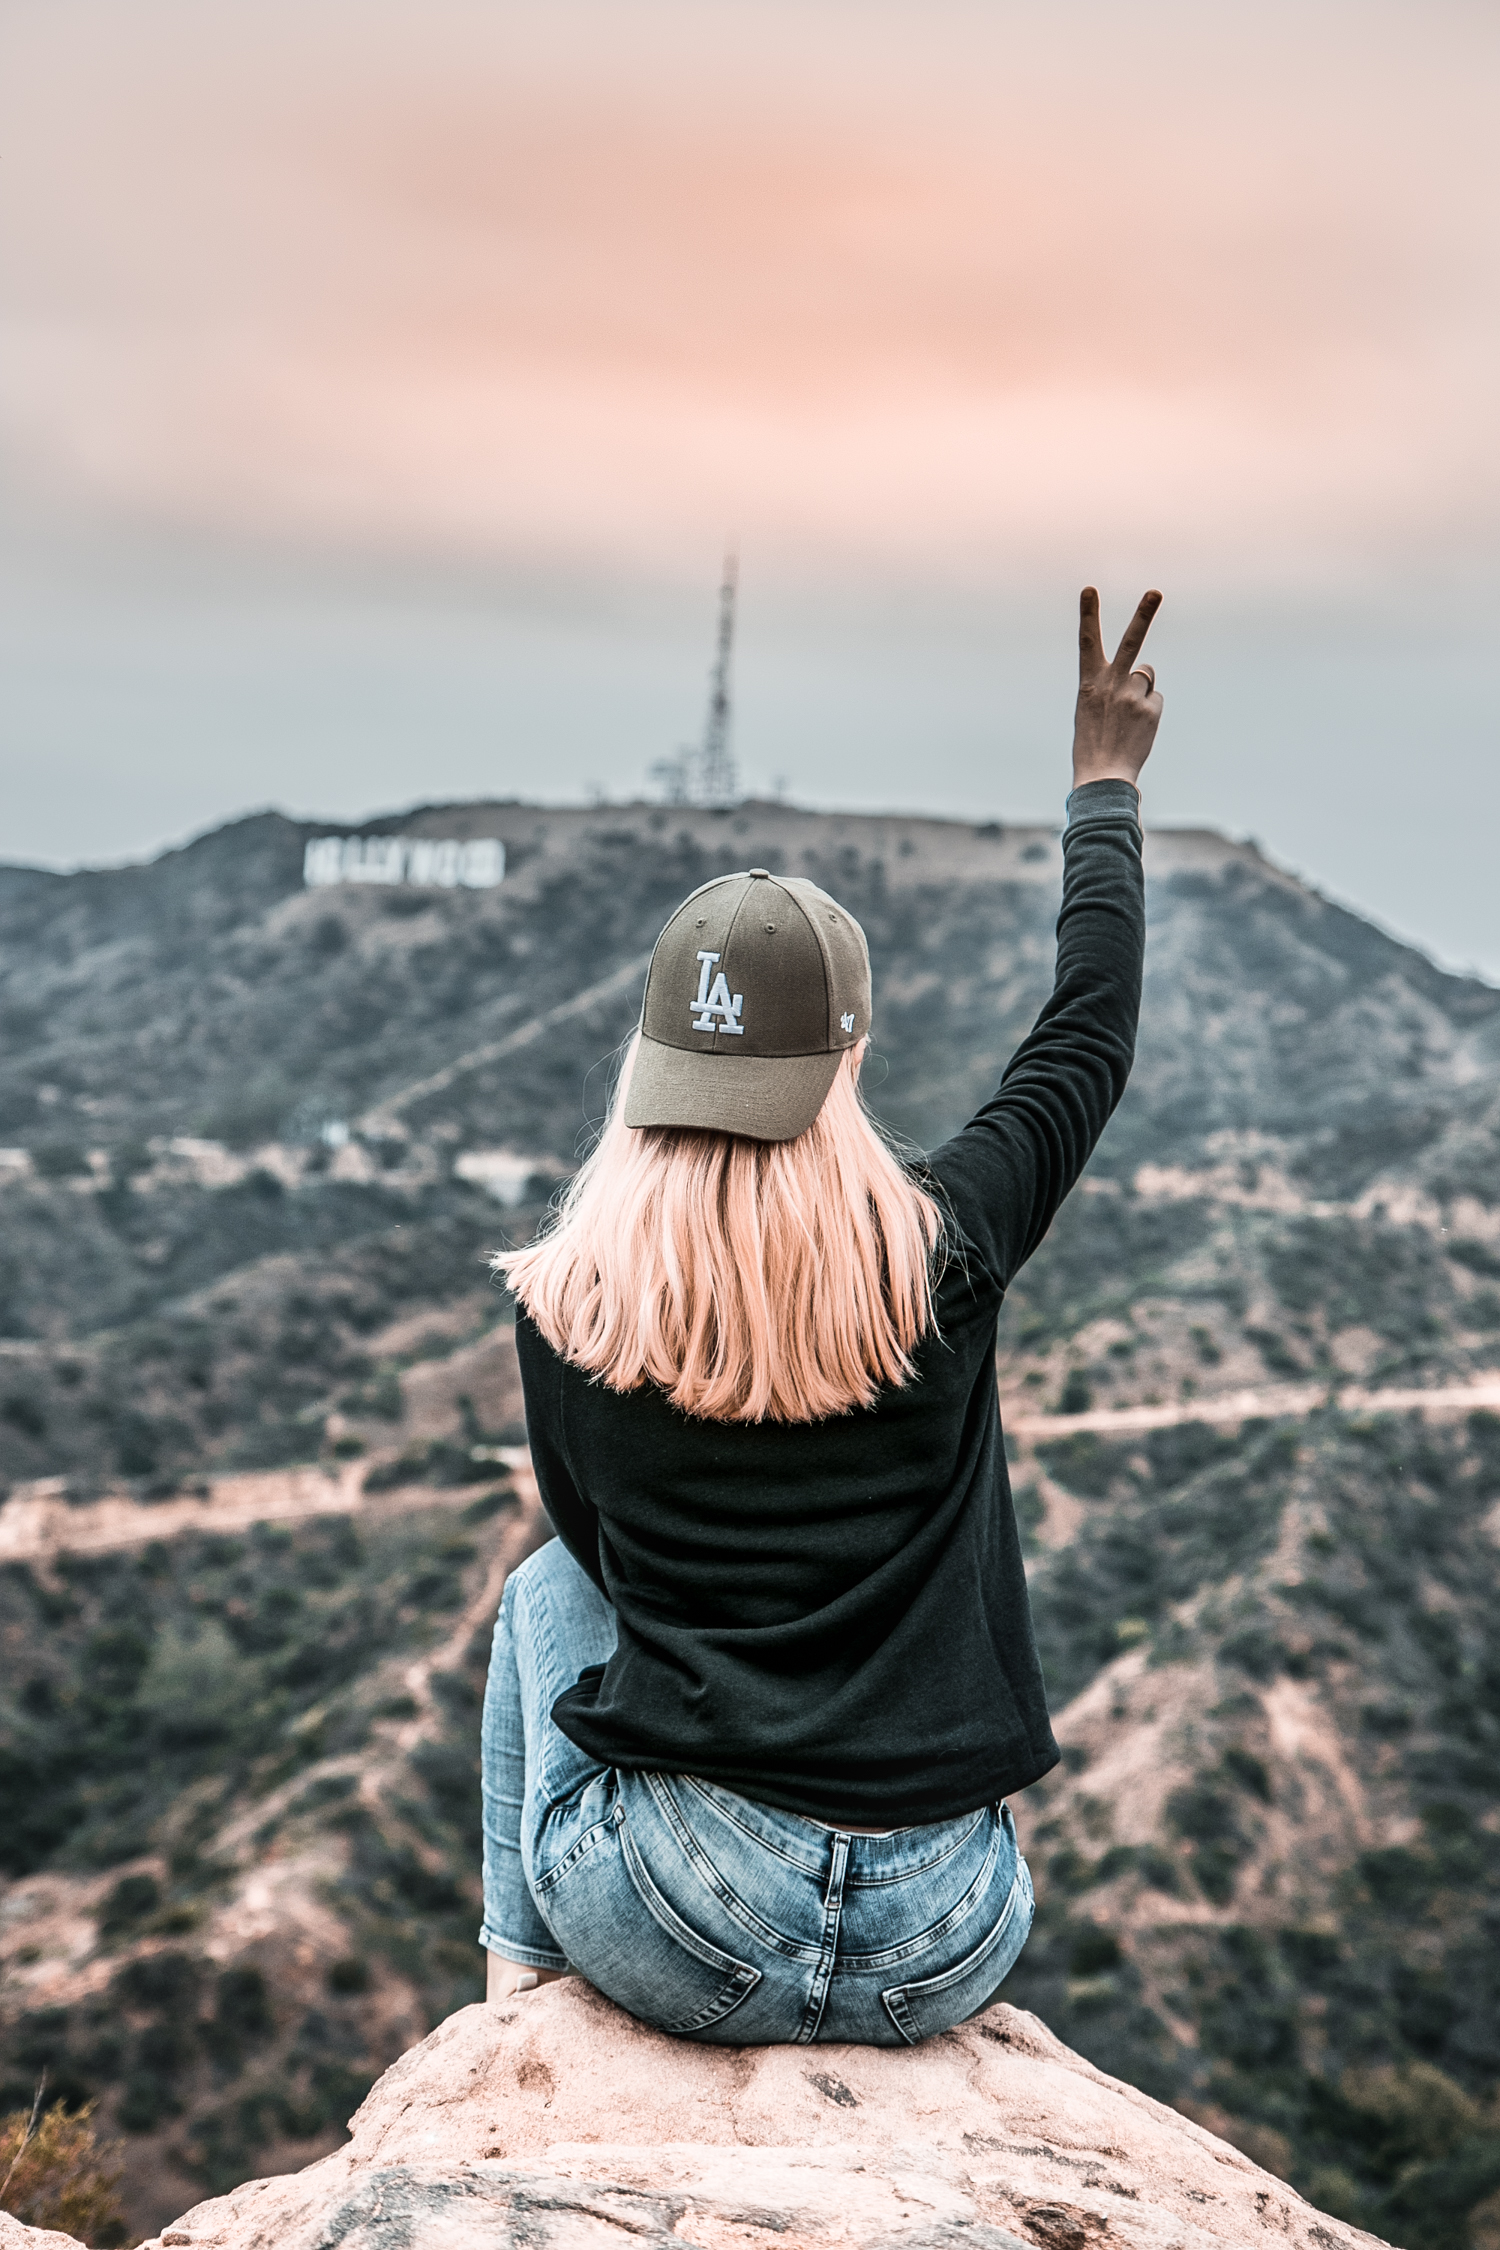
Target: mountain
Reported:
point(261, 1431)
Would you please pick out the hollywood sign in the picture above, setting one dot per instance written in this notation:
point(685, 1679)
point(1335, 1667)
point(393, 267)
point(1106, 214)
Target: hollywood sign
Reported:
point(477, 864)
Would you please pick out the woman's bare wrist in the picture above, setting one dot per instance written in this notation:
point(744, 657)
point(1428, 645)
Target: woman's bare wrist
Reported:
point(1109, 773)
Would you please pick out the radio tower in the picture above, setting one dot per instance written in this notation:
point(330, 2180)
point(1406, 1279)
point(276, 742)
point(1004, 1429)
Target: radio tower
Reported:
point(718, 783)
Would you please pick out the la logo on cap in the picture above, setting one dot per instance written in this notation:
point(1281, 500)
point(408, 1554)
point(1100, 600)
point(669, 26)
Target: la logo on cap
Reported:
point(713, 1009)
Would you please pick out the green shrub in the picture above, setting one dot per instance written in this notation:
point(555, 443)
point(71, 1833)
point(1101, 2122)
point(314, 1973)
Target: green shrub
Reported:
point(165, 1982)
point(1068, 1871)
point(1275, 1351)
point(145, 2101)
point(439, 1463)
point(60, 1160)
point(133, 1900)
point(1154, 1868)
point(1398, 1880)
point(1249, 1771)
point(137, 1448)
point(197, 1687)
point(1094, 1951)
point(1479, 1257)
point(58, 2174)
point(1251, 2017)
point(1451, 2204)
point(1178, 1453)
point(1333, 2189)
point(501, 1499)
point(1086, 1463)
point(114, 1660)
point(380, 1396)
point(1418, 2111)
point(1206, 1815)
point(242, 2014)
point(1076, 1395)
point(252, 1113)
point(1311, 1955)
point(1427, 2007)
point(24, 1414)
point(1255, 1651)
point(451, 1772)
point(38, 2045)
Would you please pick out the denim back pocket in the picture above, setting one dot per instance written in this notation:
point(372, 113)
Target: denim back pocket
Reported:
point(932, 2004)
point(626, 1937)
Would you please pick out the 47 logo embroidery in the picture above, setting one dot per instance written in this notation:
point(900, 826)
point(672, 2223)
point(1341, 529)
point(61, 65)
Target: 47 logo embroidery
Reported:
point(714, 1009)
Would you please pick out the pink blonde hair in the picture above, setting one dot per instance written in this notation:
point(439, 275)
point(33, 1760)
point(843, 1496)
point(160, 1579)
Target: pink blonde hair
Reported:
point(753, 1281)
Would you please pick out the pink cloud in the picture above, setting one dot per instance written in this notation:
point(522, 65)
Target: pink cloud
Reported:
point(933, 290)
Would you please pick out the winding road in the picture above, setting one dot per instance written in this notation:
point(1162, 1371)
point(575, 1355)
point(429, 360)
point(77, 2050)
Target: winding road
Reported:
point(38, 1522)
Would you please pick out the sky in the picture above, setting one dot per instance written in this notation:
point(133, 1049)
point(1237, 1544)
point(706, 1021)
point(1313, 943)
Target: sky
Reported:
point(381, 382)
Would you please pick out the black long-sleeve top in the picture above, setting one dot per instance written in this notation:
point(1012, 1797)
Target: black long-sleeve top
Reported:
point(832, 1617)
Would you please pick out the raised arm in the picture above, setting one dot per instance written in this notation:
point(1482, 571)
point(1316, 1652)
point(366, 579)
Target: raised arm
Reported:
point(1011, 1166)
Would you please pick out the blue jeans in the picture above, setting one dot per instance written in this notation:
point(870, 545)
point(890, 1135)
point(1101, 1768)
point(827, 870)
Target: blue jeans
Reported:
point(705, 1913)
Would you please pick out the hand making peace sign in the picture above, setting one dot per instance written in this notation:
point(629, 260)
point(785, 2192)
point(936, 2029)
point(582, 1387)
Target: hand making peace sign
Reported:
point(1119, 709)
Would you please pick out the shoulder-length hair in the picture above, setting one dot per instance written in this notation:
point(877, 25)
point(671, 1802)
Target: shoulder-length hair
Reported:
point(780, 1281)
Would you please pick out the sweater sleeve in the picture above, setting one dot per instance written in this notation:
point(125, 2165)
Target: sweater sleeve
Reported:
point(574, 1518)
point(1009, 1169)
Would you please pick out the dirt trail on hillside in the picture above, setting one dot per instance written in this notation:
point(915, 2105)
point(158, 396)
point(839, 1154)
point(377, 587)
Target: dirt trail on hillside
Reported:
point(1268, 1405)
point(38, 1523)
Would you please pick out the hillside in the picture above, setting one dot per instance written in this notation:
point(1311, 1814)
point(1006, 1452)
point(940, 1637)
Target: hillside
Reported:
point(250, 1132)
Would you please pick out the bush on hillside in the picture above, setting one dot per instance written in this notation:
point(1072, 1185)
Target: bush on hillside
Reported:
point(1085, 1463)
point(61, 2176)
point(59, 1160)
point(441, 1463)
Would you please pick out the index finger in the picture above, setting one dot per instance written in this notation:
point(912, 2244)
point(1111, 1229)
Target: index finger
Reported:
point(1091, 656)
point(1135, 632)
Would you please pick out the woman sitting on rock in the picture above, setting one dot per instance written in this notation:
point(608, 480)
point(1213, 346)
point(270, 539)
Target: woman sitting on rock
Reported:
point(753, 1715)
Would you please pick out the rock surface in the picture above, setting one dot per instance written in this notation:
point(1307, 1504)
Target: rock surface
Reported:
point(13, 2236)
point(558, 2122)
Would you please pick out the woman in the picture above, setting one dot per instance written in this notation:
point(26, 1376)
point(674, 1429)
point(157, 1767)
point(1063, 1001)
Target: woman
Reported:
point(753, 1715)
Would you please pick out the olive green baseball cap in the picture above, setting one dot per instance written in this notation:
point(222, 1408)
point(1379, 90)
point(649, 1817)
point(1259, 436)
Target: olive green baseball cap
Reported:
point(758, 986)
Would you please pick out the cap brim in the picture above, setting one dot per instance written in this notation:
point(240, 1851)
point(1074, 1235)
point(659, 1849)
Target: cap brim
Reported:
point(763, 1097)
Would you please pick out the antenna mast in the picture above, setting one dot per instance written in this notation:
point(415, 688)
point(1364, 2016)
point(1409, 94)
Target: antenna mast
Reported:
point(718, 781)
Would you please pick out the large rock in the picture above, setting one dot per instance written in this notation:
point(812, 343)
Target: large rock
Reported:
point(557, 2122)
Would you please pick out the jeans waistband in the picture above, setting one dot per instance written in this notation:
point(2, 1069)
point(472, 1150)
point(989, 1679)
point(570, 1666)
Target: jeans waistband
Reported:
point(797, 1837)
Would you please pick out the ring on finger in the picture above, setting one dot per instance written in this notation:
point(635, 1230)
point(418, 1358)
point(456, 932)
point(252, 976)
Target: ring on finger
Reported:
point(1147, 673)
